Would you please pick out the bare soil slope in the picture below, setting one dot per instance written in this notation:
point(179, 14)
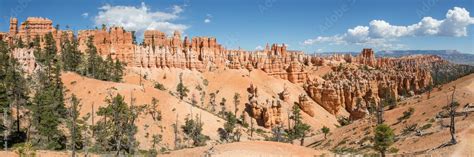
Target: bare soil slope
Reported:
point(433, 131)
point(249, 149)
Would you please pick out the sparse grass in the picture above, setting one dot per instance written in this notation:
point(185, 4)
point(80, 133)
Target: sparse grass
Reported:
point(343, 141)
point(366, 138)
point(393, 150)
point(408, 129)
point(343, 150)
point(205, 82)
point(432, 120)
point(159, 86)
point(426, 126)
point(407, 114)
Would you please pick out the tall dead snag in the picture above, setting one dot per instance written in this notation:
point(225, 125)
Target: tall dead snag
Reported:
point(452, 114)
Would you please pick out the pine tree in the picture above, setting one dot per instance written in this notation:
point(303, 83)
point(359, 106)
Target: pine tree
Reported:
point(212, 101)
point(70, 55)
point(153, 109)
point(300, 129)
point(383, 138)
point(236, 103)
point(181, 89)
point(325, 131)
point(193, 130)
point(156, 139)
point(75, 125)
point(117, 72)
point(223, 109)
point(278, 133)
point(13, 88)
point(227, 132)
point(20, 43)
point(48, 103)
point(115, 132)
point(93, 59)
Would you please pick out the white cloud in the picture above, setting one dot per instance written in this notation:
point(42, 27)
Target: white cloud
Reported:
point(177, 9)
point(208, 18)
point(85, 15)
point(140, 18)
point(381, 34)
point(259, 47)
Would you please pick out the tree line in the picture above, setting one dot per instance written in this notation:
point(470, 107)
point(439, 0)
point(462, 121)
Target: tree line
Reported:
point(33, 107)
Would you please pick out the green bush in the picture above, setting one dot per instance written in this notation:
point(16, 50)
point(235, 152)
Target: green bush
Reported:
point(159, 86)
point(393, 150)
point(426, 126)
point(407, 114)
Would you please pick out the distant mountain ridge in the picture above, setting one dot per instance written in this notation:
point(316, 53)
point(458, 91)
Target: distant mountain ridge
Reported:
point(450, 55)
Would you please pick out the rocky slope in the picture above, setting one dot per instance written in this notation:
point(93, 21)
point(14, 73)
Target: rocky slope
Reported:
point(423, 132)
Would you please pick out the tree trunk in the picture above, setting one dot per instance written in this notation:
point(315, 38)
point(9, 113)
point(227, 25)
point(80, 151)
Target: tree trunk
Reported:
point(17, 114)
point(251, 127)
point(302, 141)
point(452, 128)
point(5, 132)
point(73, 134)
point(382, 153)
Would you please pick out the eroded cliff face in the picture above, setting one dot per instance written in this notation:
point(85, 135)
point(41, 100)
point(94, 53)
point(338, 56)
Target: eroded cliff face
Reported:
point(356, 83)
point(267, 114)
point(357, 87)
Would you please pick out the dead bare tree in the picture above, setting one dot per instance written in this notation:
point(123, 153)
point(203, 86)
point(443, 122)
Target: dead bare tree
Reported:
point(452, 114)
point(175, 127)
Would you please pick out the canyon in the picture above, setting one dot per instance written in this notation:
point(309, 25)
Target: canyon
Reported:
point(261, 87)
point(353, 88)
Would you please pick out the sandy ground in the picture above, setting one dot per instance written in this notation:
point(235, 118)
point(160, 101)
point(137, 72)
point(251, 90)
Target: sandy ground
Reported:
point(250, 149)
point(228, 82)
point(351, 136)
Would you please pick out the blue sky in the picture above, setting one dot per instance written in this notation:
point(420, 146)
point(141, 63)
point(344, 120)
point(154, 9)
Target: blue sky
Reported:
point(308, 25)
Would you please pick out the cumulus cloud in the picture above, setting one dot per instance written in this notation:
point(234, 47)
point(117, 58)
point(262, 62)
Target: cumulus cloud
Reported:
point(85, 15)
point(259, 47)
point(381, 33)
point(208, 18)
point(140, 18)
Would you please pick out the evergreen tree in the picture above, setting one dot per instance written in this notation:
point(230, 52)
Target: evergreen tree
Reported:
point(227, 133)
point(325, 131)
point(156, 139)
point(13, 85)
point(236, 103)
point(75, 125)
point(153, 109)
point(383, 138)
point(278, 132)
point(48, 103)
point(20, 43)
point(212, 101)
point(193, 130)
point(115, 132)
point(300, 129)
point(93, 59)
point(117, 72)
point(70, 55)
point(181, 89)
point(222, 112)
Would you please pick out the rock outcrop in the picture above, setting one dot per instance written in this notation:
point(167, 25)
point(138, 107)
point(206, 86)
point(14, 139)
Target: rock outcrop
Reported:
point(115, 42)
point(35, 27)
point(357, 89)
point(160, 51)
point(266, 114)
point(305, 105)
